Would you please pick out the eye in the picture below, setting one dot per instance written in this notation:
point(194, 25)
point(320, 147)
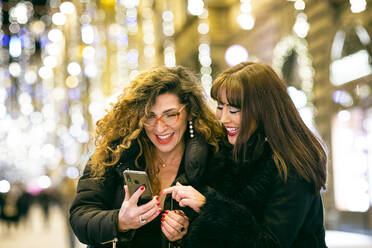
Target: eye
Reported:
point(169, 115)
point(220, 106)
point(234, 110)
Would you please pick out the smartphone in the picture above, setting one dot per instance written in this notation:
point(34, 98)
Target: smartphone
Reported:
point(135, 179)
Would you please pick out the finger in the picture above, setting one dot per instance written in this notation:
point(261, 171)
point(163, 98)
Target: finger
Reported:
point(178, 184)
point(176, 218)
point(174, 193)
point(187, 202)
point(147, 206)
point(175, 223)
point(167, 190)
point(136, 195)
point(171, 231)
point(156, 213)
point(180, 212)
point(166, 233)
point(147, 215)
point(127, 196)
point(180, 195)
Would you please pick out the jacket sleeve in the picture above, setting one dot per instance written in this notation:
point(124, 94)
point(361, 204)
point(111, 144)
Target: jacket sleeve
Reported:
point(92, 218)
point(224, 222)
point(287, 208)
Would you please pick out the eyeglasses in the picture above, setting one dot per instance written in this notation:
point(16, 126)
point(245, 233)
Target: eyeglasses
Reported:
point(170, 118)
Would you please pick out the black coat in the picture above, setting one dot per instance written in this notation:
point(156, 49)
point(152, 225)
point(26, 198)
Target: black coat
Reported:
point(94, 212)
point(249, 205)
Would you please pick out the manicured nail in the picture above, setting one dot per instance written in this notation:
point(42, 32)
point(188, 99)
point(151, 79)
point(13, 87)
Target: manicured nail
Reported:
point(162, 215)
point(161, 192)
point(166, 211)
point(157, 198)
point(162, 220)
point(158, 203)
point(160, 210)
point(142, 188)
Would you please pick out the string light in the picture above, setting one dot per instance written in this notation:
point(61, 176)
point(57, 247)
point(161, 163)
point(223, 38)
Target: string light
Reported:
point(148, 31)
point(204, 53)
point(168, 44)
point(296, 43)
point(246, 19)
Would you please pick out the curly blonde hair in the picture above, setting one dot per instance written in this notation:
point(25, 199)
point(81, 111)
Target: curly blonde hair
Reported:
point(123, 123)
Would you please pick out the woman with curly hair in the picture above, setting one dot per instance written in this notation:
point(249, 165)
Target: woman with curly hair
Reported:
point(160, 124)
point(270, 196)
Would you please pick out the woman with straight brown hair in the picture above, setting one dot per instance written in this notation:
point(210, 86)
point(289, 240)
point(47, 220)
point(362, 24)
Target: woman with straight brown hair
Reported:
point(269, 196)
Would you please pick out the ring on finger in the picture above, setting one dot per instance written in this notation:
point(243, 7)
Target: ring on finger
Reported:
point(142, 220)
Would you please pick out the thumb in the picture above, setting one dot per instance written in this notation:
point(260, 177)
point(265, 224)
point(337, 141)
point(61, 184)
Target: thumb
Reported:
point(127, 196)
point(178, 184)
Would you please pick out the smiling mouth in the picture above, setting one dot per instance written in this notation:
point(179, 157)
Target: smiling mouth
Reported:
point(232, 131)
point(164, 139)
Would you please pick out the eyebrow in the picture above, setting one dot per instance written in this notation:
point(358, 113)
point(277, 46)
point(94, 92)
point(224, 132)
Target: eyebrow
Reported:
point(227, 104)
point(165, 111)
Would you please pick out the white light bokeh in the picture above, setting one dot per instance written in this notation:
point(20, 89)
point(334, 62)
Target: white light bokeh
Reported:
point(44, 182)
point(59, 19)
point(246, 21)
point(301, 27)
point(67, 8)
point(195, 7)
point(45, 73)
point(236, 54)
point(74, 68)
point(358, 6)
point(55, 35)
point(298, 97)
point(4, 186)
point(15, 69)
point(50, 61)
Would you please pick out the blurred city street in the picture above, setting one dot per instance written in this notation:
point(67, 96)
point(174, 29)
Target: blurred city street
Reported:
point(39, 232)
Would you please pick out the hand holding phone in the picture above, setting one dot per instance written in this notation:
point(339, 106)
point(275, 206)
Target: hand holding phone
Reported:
point(138, 207)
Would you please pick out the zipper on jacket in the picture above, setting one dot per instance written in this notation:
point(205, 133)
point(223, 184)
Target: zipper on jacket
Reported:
point(113, 241)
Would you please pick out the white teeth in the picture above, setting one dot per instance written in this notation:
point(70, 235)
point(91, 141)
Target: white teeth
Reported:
point(231, 129)
point(164, 136)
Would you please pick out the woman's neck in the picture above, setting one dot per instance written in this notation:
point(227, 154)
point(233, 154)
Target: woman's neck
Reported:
point(171, 158)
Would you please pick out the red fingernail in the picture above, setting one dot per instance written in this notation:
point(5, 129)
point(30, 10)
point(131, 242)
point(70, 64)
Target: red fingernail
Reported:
point(161, 224)
point(161, 192)
point(163, 215)
point(157, 198)
point(162, 220)
point(166, 211)
point(158, 203)
point(160, 210)
point(142, 187)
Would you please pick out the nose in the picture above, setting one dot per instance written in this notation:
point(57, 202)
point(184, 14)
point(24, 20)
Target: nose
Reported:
point(224, 116)
point(160, 125)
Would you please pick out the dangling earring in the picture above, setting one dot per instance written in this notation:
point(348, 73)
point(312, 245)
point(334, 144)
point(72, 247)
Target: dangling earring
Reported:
point(191, 130)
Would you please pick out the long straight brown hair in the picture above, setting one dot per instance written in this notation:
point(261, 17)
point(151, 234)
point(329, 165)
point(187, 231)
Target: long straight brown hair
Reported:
point(261, 95)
